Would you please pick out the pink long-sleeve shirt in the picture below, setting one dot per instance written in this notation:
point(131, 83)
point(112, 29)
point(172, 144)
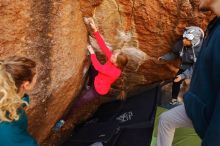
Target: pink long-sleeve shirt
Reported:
point(108, 73)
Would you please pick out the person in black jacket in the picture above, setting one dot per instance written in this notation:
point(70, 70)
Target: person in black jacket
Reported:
point(201, 108)
point(187, 49)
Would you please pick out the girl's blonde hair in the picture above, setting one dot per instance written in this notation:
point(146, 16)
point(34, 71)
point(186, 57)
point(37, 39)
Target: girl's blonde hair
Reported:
point(13, 72)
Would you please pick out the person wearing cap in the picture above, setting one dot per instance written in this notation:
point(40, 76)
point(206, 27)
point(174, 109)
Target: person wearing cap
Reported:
point(201, 108)
point(187, 49)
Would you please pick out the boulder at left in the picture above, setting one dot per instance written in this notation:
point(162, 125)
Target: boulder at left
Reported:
point(53, 34)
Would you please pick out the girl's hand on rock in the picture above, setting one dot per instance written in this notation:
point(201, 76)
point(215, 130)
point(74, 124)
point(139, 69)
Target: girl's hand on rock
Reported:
point(92, 24)
point(178, 78)
point(91, 50)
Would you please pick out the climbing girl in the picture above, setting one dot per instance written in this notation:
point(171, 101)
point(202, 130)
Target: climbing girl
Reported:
point(17, 76)
point(106, 74)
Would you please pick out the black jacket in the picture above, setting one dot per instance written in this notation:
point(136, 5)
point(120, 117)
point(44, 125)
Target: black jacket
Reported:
point(202, 101)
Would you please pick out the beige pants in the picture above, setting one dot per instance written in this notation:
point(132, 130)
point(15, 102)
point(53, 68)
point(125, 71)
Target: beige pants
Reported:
point(169, 121)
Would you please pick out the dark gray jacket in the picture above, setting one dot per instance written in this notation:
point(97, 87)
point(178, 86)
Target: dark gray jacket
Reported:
point(188, 57)
point(202, 101)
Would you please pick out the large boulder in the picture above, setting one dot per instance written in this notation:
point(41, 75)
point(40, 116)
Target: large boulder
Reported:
point(54, 35)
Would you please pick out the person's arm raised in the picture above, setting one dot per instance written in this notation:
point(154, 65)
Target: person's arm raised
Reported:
point(97, 65)
point(99, 39)
point(102, 45)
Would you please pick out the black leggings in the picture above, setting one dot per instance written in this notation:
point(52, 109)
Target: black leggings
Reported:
point(176, 85)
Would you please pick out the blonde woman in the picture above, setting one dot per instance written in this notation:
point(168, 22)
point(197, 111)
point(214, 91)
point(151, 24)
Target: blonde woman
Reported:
point(17, 76)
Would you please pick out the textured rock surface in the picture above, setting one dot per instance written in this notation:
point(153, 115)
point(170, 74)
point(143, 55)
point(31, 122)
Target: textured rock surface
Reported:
point(153, 26)
point(53, 33)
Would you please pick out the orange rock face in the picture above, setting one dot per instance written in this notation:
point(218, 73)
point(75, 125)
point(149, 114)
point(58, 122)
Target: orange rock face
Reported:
point(151, 27)
point(53, 34)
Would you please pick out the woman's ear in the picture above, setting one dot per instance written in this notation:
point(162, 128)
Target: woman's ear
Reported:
point(23, 88)
point(25, 85)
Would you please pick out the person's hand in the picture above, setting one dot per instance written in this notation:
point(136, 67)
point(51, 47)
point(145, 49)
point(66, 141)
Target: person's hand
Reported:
point(92, 24)
point(90, 30)
point(159, 60)
point(91, 50)
point(178, 78)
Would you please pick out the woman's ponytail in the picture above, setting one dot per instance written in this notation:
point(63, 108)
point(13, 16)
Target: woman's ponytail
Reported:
point(123, 94)
point(13, 71)
point(122, 61)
